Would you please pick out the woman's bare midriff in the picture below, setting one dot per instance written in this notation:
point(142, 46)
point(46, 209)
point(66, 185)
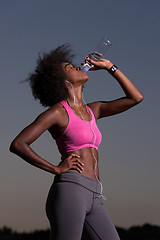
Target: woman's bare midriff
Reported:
point(86, 157)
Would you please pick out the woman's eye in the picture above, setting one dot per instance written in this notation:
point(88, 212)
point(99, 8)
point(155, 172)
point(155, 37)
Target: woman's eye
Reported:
point(71, 67)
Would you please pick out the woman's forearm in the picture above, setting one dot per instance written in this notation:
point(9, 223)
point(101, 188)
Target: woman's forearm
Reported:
point(128, 87)
point(24, 151)
point(132, 93)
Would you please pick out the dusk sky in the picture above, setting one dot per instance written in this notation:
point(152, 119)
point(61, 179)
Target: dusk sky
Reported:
point(130, 149)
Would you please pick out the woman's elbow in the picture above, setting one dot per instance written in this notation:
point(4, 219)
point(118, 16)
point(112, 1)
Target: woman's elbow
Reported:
point(15, 146)
point(140, 98)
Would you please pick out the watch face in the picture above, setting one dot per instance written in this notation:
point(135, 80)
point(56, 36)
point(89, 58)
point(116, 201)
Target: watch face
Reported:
point(112, 69)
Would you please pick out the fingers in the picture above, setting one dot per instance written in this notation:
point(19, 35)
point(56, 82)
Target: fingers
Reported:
point(73, 155)
point(75, 163)
point(88, 59)
point(77, 167)
point(96, 65)
point(98, 54)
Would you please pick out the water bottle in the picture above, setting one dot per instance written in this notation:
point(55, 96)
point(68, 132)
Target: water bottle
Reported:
point(99, 52)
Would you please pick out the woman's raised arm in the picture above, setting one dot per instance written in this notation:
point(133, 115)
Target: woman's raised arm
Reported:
point(132, 95)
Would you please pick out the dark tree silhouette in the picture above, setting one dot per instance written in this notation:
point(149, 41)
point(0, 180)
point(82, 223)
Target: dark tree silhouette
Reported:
point(145, 232)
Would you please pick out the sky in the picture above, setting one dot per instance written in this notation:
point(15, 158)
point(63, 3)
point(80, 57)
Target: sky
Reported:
point(130, 149)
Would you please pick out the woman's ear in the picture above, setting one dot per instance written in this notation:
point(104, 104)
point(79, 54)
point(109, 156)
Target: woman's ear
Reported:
point(67, 82)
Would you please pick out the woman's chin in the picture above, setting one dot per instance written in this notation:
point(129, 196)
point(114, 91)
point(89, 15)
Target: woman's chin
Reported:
point(85, 76)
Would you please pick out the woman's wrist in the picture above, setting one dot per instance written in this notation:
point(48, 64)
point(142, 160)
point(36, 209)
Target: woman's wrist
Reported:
point(108, 65)
point(56, 170)
point(113, 69)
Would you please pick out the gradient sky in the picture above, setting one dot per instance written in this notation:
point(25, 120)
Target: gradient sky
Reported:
point(130, 150)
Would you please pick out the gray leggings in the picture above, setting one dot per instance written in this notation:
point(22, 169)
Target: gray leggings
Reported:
point(75, 209)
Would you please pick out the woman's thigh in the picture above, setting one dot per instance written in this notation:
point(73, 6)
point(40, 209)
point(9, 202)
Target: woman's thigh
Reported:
point(66, 209)
point(98, 224)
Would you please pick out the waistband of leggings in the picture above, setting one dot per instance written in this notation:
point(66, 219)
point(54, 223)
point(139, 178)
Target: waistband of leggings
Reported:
point(78, 178)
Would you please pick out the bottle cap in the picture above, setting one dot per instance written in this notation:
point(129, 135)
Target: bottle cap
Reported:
point(86, 67)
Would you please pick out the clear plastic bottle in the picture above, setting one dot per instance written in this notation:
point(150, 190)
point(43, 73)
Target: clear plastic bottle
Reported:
point(99, 52)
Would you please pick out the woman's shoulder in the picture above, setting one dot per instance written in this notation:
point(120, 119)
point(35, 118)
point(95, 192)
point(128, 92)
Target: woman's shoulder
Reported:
point(54, 112)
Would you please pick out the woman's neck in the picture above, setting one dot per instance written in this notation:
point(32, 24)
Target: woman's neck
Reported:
point(75, 97)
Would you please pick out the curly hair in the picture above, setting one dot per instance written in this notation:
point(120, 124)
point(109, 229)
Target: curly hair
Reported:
point(47, 80)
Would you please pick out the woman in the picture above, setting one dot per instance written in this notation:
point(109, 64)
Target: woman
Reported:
point(74, 205)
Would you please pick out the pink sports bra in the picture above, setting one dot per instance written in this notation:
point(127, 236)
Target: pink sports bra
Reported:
point(78, 133)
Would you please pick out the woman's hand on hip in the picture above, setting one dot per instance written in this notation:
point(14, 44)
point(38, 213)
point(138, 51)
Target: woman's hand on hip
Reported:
point(71, 162)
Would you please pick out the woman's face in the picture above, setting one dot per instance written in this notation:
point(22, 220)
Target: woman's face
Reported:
point(74, 74)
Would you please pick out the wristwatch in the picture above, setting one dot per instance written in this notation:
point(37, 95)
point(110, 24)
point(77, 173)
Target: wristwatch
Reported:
point(112, 69)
